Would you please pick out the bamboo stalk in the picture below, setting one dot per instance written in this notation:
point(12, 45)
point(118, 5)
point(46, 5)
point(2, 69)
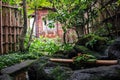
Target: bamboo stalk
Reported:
point(107, 62)
point(100, 62)
point(61, 60)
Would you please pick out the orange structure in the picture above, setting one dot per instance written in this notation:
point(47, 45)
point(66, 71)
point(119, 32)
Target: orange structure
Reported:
point(41, 26)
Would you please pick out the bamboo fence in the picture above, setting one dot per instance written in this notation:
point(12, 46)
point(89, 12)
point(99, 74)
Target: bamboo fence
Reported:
point(10, 28)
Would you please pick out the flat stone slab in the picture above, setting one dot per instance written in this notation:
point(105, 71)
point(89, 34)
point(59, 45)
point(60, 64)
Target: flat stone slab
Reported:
point(17, 67)
point(98, 73)
point(5, 77)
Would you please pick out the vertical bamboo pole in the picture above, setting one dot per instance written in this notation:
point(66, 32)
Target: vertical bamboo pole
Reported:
point(6, 31)
point(15, 25)
point(1, 30)
point(10, 29)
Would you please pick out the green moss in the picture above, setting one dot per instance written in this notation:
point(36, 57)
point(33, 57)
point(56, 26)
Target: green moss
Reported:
point(93, 42)
point(60, 74)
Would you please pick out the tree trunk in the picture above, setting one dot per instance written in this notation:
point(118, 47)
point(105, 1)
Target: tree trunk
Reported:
point(24, 31)
point(64, 37)
point(79, 31)
point(30, 38)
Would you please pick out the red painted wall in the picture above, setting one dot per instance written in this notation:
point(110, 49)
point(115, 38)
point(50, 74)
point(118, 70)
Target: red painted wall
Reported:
point(48, 33)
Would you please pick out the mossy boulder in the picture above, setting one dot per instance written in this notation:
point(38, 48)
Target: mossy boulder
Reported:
point(85, 50)
point(44, 69)
point(93, 42)
point(114, 49)
point(81, 49)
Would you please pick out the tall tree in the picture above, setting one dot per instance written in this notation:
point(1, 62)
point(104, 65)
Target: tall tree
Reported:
point(24, 31)
point(30, 38)
point(71, 13)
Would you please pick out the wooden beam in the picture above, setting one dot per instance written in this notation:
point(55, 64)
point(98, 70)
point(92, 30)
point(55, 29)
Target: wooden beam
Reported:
point(8, 6)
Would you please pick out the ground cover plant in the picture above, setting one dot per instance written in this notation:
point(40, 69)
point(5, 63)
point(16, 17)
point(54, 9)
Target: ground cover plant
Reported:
point(39, 47)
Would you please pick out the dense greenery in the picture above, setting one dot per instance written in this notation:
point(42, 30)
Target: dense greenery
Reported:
point(39, 47)
point(71, 14)
point(46, 46)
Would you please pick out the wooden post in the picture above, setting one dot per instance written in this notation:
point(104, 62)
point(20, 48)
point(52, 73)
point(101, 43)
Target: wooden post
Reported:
point(15, 22)
point(1, 30)
point(6, 30)
point(10, 30)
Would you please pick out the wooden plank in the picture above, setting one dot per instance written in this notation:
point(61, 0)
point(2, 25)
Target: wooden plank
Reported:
point(8, 6)
point(1, 30)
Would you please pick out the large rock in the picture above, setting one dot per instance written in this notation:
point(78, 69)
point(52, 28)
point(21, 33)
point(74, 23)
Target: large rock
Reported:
point(100, 73)
point(71, 53)
point(85, 50)
point(43, 69)
point(5, 77)
point(93, 42)
point(114, 50)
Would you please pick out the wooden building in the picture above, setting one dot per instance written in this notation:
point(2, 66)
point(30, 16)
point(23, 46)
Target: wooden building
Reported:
point(42, 28)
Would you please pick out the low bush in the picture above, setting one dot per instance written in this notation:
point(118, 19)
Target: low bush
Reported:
point(39, 46)
point(47, 46)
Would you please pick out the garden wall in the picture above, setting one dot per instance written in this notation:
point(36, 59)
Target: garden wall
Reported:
point(10, 28)
point(109, 12)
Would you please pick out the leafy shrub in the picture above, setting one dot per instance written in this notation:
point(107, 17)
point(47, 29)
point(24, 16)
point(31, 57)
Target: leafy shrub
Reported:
point(83, 59)
point(47, 46)
point(66, 46)
point(103, 30)
point(43, 45)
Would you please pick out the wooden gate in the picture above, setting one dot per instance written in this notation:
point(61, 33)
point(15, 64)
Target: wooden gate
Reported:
point(10, 28)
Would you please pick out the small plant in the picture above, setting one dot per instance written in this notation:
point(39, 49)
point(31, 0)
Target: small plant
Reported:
point(84, 58)
point(67, 47)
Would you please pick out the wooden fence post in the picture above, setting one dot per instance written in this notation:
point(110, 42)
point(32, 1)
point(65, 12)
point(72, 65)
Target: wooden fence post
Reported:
point(1, 35)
